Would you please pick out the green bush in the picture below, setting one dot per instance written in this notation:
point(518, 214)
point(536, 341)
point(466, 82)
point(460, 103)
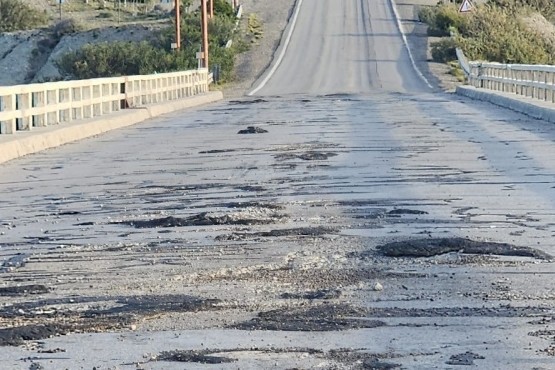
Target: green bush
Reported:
point(495, 34)
point(121, 58)
point(545, 7)
point(223, 8)
point(16, 16)
point(444, 51)
point(127, 58)
point(441, 18)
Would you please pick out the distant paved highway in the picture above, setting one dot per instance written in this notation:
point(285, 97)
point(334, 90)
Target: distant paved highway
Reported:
point(350, 46)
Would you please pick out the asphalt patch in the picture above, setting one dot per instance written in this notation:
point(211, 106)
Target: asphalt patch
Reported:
point(201, 219)
point(319, 318)
point(201, 357)
point(316, 156)
point(466, 358)
point(404, 211)
point(18, 335)
point(308, 156)
point(123, 313)
point(252, 204)
point(217, 151)
point(300, 231)
point(360, 359)
point(501, 311)
point(12, 291)
point(212, 356)
point(245, 102)
point(252, 130)
point(379, 365)
point(316, 294)
point(436, 246)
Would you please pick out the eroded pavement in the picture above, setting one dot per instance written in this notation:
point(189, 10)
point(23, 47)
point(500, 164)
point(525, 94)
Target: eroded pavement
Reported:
point(377, 231)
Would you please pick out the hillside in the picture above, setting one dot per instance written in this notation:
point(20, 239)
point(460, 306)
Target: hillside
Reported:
point(30, 56)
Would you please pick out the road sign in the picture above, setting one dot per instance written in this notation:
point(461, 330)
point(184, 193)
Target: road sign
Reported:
point(466, 6)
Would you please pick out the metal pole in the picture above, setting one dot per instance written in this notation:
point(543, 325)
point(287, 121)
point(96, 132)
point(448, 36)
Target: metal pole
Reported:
point(204, 19)
point(177, 25)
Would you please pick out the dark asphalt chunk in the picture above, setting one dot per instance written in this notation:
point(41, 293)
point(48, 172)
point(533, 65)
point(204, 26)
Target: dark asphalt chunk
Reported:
point(403, 211)
point(308, 156)
point(209, 356)
point(466, 358)
point(317, 294)
point(216, 151)
point(36, 366)
point(379, 365)
point(12, 291)
point(315, 156)
point(436, 246)
point(252, 130)
point(244, 102)
point(15, 262)
point(300, 231)
point(251, 204)
point(18, 335)
point(361, 359)
point(254, 188)
point(201, 219)
point(501, 311)
point(201, 357)
point(319, 318)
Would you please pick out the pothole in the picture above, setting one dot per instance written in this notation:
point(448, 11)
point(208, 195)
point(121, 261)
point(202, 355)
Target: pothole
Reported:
point(319, 318)
point(207, 219)
point(436, 246)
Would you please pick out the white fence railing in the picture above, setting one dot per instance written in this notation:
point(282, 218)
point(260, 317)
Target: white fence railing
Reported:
point(23, 107)
point(534, 81)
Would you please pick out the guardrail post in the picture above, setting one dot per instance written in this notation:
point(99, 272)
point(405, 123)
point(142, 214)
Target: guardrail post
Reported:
point(24, 102)
point(77, 110)
point(8, 105)
point(39, 101)
point(124, 103)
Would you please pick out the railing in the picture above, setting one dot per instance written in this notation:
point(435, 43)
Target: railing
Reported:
point(534, 81)
point(23, 107)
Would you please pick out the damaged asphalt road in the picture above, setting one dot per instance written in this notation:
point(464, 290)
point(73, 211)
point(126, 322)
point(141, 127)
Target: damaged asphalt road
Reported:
point(359, 232)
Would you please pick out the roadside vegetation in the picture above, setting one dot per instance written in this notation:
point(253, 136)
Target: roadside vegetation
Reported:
point(111, 59)
point(505, 31)
point(16, 16)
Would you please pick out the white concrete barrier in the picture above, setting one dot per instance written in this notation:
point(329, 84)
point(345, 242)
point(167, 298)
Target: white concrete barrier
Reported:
point(24, 107)
point(524, 88)
point(42, 116)
point(533, 81)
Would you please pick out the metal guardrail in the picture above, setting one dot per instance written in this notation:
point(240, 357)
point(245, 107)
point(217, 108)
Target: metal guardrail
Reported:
point(533, 81)
point(23, 107)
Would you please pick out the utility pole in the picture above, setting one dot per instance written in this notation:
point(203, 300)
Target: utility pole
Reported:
point(204, 25)
point(177, 25)
point(211, 9)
